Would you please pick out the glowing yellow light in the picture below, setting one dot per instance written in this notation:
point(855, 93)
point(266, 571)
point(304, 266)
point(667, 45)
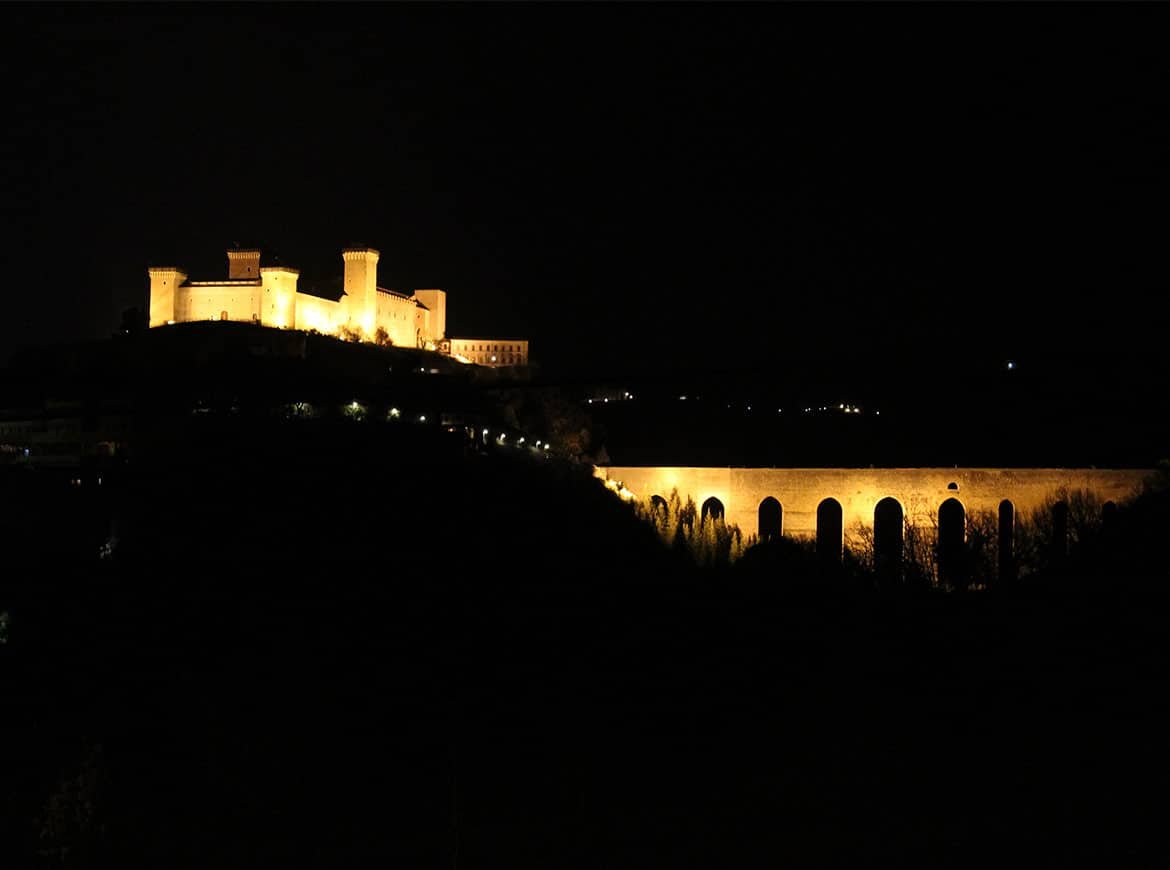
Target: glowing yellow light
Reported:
point(394, 412)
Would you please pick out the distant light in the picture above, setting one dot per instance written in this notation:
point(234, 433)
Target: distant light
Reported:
point(840, 406)
point(606, 401)
point(422, 418)
point(590, 401)
point(394, 412)
point(1011, 365)
point(546, 447)
point(521, 441)
point(354, 405)
point(493, 358)
point(749, 407)
point(877, 412)
point(682, 398)
point(485, 431)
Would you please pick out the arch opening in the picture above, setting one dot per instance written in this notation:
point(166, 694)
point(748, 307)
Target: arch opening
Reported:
point(888, 521)
point(712, 508)
point(1006, 540)
point(771, 516)
point(830, 531)
point(952, 522)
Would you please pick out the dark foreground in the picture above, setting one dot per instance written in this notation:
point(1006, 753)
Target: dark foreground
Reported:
point(451, 661)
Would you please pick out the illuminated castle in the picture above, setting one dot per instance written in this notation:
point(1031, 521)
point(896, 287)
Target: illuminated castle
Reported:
point(268, 296)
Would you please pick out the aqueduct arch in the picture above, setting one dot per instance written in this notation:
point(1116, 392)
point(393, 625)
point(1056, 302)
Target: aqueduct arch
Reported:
point(771, 519)
point(920, 492)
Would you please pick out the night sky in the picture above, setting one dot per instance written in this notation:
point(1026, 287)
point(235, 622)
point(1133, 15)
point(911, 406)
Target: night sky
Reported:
point(631, 187)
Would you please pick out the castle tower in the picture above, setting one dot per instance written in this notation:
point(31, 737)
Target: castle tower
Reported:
point(278, 296)
point(361, 288)
point(436, 304)
point(243, 263)
point(164, 293)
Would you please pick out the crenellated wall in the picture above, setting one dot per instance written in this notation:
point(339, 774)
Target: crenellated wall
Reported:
point(920, 491)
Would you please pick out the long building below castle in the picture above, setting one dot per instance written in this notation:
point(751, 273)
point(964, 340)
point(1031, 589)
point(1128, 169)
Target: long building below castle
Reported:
point(268, 296)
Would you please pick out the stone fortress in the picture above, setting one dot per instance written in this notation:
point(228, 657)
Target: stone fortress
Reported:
point(268, 296)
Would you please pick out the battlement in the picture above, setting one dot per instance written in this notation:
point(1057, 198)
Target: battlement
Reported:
point(243, 263)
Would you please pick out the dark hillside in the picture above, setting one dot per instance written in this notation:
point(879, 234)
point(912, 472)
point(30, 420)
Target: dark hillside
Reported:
point(327, 644)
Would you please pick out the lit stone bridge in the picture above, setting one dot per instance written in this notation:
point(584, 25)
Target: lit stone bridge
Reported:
point(823, 503)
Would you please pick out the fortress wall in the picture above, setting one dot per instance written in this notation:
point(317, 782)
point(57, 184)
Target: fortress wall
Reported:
point(920, 491)
point(313, 312)
point(207, 303)
point(277, 299)
point(397, 316)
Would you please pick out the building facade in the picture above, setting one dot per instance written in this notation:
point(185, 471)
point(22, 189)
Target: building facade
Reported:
point(268, 296)
point(490, 351)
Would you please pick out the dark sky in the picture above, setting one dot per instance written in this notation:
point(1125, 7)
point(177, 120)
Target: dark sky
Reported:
point(626, 185)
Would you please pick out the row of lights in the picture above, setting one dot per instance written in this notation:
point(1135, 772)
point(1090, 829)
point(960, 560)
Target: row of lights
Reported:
point(848, 409)
point(605, 401)
point(502, 439)
point(396, 413)
point(392, 414)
